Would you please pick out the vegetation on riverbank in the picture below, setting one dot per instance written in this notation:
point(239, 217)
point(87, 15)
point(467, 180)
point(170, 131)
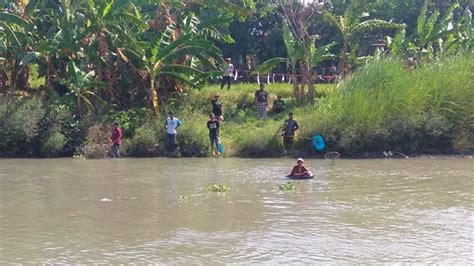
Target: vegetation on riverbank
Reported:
point(382, 106)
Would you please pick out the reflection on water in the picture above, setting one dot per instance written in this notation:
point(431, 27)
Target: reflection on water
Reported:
point(158, 210)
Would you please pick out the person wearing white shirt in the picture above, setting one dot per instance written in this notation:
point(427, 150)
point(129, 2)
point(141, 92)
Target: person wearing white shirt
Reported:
point(171, 124)
point(228, 73)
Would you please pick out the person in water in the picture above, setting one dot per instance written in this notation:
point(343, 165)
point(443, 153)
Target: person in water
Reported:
point(300, 169)
point(213, 126)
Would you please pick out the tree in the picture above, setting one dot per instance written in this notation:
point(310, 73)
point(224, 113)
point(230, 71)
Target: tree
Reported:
point(351, 25)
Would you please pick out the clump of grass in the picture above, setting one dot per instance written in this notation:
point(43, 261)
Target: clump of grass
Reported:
point(217, 188)
point(287, 186)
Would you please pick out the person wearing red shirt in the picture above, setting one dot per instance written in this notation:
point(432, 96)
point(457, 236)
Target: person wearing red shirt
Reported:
point(116, 139)
point(300, 169)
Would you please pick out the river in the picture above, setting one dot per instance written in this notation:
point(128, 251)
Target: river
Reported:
point(159, 211)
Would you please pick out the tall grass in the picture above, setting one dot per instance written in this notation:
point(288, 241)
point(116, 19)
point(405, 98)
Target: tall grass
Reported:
point(384, 105)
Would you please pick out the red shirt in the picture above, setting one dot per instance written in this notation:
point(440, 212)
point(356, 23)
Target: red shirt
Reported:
point(116, 136)
point(296, 170)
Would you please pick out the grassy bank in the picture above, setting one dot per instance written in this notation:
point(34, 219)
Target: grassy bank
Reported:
point(382, 106)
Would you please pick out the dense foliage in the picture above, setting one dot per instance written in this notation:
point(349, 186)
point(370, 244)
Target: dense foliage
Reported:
point(70, 68)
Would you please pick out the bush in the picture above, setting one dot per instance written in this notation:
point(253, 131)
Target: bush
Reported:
point(143, 143)
point(53, 144)
point(97, 142)
point(20, 122)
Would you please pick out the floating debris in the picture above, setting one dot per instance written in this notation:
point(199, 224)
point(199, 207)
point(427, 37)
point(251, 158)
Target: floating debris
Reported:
point(105, 199)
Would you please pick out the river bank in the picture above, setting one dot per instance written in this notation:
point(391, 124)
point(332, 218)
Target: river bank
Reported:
point(382, 107)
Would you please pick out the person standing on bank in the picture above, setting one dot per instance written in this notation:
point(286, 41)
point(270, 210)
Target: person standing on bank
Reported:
point(261, 102)
point(289, 130)
point(116, 140)
point(228, 73)
point(213, 126)
point(171, 124)
point(217, 108)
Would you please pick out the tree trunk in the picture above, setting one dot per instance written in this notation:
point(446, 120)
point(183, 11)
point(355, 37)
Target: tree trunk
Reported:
point(154, 104)
point(343, 66)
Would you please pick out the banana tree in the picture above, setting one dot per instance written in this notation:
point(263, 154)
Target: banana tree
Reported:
point(16, 38)
point(351, 25)
point(435, 34)
point(160, 57)
point(295, 55)
point(79, 84)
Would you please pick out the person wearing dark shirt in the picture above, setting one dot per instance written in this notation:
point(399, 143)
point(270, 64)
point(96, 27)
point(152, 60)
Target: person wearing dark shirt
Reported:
point(261, 102)
point(213, 126)
point(300, 169)
point(217, 108)
point(278, 104)
point(289, 130)
point(116, 140)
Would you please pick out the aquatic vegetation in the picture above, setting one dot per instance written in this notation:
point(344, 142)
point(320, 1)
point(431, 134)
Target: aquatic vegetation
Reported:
point(287, 186)
point(217, 188)
point(182, 198)
point(78, 156)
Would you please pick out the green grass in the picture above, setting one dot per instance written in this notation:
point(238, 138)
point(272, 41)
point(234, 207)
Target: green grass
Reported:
point(382, 106)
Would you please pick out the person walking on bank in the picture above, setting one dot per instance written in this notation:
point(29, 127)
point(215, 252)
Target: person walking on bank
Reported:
point(217, 108)
point(228, 73)
point(213, 126)
point(171, 124)
point(261, 102)
point(289, 129)
point(116, 140)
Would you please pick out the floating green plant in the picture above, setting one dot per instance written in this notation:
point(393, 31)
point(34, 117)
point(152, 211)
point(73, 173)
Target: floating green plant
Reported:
point(217, 188)
point(287, 186)
point(78, 156)
point(182, 198)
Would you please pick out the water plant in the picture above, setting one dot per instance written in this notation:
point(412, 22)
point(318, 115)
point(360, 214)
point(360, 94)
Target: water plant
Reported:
point(287, 186)
point(217, 188)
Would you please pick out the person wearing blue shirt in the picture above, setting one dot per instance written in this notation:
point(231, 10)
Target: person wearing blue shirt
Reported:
point(171, 124)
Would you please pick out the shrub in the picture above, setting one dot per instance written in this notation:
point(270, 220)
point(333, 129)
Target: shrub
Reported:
point(97, 142)
point(53, 144)
point(143, 143)
point(20, 122)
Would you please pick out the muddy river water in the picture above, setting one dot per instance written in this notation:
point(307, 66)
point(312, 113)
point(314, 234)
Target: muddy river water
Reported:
point(159, 211)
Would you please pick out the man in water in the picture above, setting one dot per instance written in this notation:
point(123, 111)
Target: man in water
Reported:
point(261, 102)
point(228, 73)
point(217, 108)
point(278, 104)
point(116, 140)
point(289, 129)
point(300, 169)
point(213, 126)
point(171, 124)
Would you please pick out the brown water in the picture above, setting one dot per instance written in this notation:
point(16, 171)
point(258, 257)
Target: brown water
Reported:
point(129, 210)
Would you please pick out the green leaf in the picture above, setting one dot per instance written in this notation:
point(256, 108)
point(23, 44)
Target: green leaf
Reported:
point(270, 64)
point(29, 57)
point(16, 20)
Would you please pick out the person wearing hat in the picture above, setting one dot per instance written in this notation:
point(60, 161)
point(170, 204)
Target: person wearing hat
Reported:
point(300, 169)
point(116, 140)
point(217, 108)
point(228, 73)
